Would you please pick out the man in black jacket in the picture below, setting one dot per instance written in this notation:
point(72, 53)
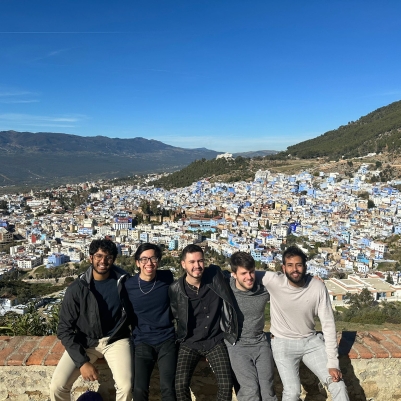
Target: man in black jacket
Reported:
point(203, 308)
point(93, 324)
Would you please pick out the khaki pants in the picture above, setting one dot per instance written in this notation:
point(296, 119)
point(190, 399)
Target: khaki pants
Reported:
point(118, 356)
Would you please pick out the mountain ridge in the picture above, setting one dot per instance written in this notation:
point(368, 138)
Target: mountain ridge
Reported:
point(51, 158)
point(377, 131)
point(41, 158)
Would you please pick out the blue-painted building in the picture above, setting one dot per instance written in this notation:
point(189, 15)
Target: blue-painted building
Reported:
point(85, 230)
point(173, 245)
point(57, 259)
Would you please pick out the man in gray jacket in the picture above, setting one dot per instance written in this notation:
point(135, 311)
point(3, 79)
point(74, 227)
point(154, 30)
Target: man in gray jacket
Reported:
point(251, 357)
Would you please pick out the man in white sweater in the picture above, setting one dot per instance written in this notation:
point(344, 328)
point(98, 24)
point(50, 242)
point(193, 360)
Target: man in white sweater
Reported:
point(295, 300)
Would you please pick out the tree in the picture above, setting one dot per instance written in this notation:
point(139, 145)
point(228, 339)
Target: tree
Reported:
point(359, 301)
point(371, 204)
point(145, 206)
point(389, 279)
point(138, 219)
point(31, 323)
point(155, 207)
point(278, 267)
point(291, 240)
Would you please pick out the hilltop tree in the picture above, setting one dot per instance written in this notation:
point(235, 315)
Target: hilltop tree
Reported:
point(359, 301)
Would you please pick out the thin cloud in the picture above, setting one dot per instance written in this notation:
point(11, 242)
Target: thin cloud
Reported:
point(17, 97)
point(46, 125)
point(15, 93)
point(18, 101)
point(51, 54)
point(27, 120)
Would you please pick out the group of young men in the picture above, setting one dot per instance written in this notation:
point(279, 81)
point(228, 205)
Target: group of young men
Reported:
point(218, 315)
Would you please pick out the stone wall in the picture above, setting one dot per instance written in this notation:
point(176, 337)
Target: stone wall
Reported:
point(370, 362)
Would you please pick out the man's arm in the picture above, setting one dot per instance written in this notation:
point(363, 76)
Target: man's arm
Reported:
point(173, 301)
point(267, 278)
point(69, 314)
point(325, 314)
point(227, 275)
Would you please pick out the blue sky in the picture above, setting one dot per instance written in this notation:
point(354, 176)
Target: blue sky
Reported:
point(226, 75)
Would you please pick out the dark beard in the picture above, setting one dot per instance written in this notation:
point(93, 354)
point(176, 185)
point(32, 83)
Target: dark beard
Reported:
point(102, 273)
point(297, 281)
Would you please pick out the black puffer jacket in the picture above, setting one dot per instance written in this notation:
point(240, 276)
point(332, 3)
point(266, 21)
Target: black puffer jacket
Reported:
point(179, 303)
point(79, 326)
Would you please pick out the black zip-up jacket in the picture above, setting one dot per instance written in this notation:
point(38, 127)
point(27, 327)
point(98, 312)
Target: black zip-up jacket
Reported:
point(179, 303)
point(79, 326)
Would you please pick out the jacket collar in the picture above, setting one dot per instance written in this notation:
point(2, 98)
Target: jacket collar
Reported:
point(87, 276)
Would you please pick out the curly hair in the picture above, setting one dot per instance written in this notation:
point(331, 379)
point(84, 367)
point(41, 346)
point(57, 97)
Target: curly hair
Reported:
point(105, 245)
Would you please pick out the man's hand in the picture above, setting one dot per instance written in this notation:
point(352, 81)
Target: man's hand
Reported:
point(335, 374)
point(89, 372)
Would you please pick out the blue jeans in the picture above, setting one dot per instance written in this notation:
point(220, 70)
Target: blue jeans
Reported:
point(165, 354)
point(311, 350)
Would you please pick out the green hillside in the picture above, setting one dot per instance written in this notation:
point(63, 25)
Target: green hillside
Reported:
point(234, 169)
point(378, 131)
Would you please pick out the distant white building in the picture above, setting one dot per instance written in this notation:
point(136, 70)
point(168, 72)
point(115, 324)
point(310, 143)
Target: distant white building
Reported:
point(225, 156)
point(29, 262)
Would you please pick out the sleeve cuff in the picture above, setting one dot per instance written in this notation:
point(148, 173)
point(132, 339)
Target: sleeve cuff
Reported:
point(333, 364)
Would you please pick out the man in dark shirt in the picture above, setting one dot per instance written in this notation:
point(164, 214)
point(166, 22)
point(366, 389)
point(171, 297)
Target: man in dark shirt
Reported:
point(153, 329)
point(202, 305)
point(93, 324)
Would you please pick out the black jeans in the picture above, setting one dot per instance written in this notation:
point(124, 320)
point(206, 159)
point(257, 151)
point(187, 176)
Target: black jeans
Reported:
point(145, 358)
point(218, 360)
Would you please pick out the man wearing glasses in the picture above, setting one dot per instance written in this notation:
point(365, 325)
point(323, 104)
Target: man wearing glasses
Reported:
point(153, 329)
point(93, 324)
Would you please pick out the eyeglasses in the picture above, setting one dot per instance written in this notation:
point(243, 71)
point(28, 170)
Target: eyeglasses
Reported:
point(145, 260)
point(99, 256)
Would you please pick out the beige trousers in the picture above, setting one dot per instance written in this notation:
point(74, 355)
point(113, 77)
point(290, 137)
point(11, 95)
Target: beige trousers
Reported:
point(118, 356)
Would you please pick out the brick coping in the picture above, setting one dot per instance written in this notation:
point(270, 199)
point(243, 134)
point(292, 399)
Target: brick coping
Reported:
point(47, 351)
